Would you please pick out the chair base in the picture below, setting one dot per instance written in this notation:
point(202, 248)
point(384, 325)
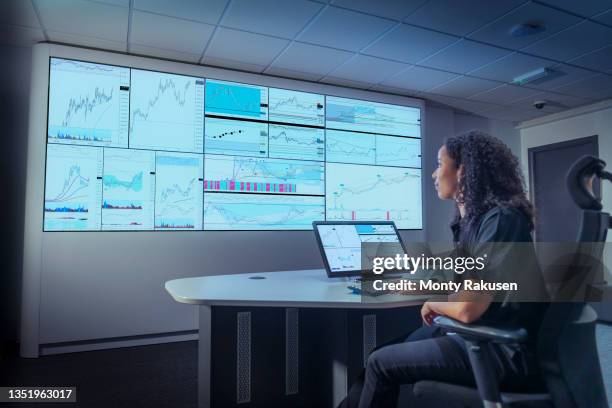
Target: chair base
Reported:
point(470, 398)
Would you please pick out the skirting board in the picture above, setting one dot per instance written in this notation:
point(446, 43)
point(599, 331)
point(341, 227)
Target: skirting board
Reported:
point(78, 346)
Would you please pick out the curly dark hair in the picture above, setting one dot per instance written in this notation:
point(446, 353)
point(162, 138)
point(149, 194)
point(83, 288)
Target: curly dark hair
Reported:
point(491, 177)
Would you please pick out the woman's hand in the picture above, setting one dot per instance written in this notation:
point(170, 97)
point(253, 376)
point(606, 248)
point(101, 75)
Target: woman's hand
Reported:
point(427, 314)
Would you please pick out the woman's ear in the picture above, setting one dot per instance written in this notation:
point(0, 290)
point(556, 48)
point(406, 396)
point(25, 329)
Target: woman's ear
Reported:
point(459, 172)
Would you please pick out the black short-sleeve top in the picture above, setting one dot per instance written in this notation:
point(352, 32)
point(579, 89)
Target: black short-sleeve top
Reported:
point(503, 234)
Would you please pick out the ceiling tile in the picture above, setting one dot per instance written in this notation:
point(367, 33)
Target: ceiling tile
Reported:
point(605, 18)
point(243, 47)
point(288, 73)
point(572, 42)
point(20, 36)
point(84, 18)
point(561, 74)
point(600, 60)
point(345, 82)
point(498, 32)
point(18, 12)
point(169, 33)
point(393, 9)
point(120, 3)
point(86, 41)
point(367, 69)
point(464, 56)
point(335, 27)
point(585, 8)
point(409, 44)
point(419, 78)
point(273, 17)
point(161, 53)
point(514, 114)
point(450, 17)
point(459, 103)
point(508, 68)
point(595, 87)
point(310, 59)
point(233, 64)
point(206, 11)
point(554, 99)
point(393, 90)
point(505, 94)
point(463, 87)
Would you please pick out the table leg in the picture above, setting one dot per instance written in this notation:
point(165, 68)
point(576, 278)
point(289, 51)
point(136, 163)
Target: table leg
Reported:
point(204, 357)
point(340, 356)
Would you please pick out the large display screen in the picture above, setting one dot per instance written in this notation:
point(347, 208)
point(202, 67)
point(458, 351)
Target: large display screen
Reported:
point(131, 149)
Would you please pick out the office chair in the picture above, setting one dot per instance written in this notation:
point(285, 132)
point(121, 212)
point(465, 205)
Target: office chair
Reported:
point(567, 351)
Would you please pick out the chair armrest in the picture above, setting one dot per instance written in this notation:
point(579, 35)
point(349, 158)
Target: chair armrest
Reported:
point(497, 334)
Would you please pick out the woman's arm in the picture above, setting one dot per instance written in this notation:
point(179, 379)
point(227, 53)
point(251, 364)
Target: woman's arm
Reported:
point(463, 306)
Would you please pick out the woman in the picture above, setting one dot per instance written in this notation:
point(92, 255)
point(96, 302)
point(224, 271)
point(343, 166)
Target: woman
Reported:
point(483, 177)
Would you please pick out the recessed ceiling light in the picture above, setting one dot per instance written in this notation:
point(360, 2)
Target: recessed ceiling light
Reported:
point(527, 29)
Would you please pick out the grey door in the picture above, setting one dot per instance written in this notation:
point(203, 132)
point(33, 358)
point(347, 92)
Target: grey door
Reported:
point(558, 218)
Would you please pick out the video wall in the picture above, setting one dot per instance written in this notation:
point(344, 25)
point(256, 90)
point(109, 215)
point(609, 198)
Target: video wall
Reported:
point(131, 149)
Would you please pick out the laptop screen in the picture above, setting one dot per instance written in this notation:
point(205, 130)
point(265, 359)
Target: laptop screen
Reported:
point(341, 244)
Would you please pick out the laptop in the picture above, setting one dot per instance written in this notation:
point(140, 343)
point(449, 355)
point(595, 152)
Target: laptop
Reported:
point(341, 245)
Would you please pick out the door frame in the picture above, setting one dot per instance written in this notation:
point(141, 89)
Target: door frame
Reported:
point(554, 146)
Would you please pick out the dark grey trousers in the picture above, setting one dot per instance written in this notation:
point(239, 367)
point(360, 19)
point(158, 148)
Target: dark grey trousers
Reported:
point(427, 354)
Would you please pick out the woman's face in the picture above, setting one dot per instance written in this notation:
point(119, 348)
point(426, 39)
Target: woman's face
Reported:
point(446, 176)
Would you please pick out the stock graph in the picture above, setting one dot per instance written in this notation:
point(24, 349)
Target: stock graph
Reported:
point(296, 107)
point(227, 211)
point(295, 142)
point(236, 137)
point(258, 175)
point(373, 117)
point(376, 193)
point(136, 149)
point(73, 189)
point(88, 103)
point(364, 148)
point(166, 112)
point(350, 147)
point(178, 191)
point(398, 151)
point(128, 193)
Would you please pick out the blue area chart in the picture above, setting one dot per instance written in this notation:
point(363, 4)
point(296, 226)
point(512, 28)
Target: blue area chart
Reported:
point(166, 112)
point(227, 211)
point(236, 100)
point(128, 190)
point(178, 191)
point(88, 104)
point(73, 188)
point(377, 193)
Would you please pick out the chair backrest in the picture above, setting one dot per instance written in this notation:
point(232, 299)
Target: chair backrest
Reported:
point(566, 341)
